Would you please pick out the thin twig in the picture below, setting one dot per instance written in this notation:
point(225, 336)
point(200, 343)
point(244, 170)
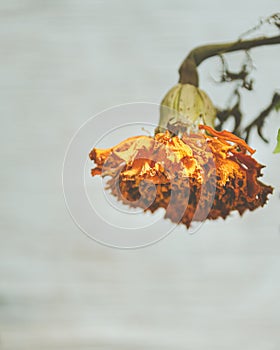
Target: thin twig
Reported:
point(259, 121)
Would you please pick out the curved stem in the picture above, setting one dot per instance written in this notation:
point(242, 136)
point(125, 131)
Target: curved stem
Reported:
point(188, 70)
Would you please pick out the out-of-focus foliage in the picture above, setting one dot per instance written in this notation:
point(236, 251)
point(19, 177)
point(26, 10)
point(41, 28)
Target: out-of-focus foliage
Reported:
point(277, 148)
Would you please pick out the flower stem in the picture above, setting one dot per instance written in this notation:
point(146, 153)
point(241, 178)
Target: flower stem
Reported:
point(188, 69)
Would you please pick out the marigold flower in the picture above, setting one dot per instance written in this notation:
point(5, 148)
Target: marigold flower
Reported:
point(151, 172)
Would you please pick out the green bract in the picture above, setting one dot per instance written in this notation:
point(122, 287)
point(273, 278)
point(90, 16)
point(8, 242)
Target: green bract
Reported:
point(186, 104)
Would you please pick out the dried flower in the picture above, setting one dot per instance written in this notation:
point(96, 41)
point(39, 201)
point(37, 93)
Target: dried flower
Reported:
point(199, 176)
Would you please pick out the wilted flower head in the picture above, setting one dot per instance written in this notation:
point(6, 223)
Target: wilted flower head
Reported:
point(199, 176)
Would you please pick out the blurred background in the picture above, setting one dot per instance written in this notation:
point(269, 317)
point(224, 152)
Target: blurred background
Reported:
point(64, 61)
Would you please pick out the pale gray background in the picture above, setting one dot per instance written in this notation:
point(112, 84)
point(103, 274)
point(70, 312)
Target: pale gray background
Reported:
point(61, 62)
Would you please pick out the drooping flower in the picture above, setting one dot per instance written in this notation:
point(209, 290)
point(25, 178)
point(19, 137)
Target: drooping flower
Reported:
point(194, 177)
